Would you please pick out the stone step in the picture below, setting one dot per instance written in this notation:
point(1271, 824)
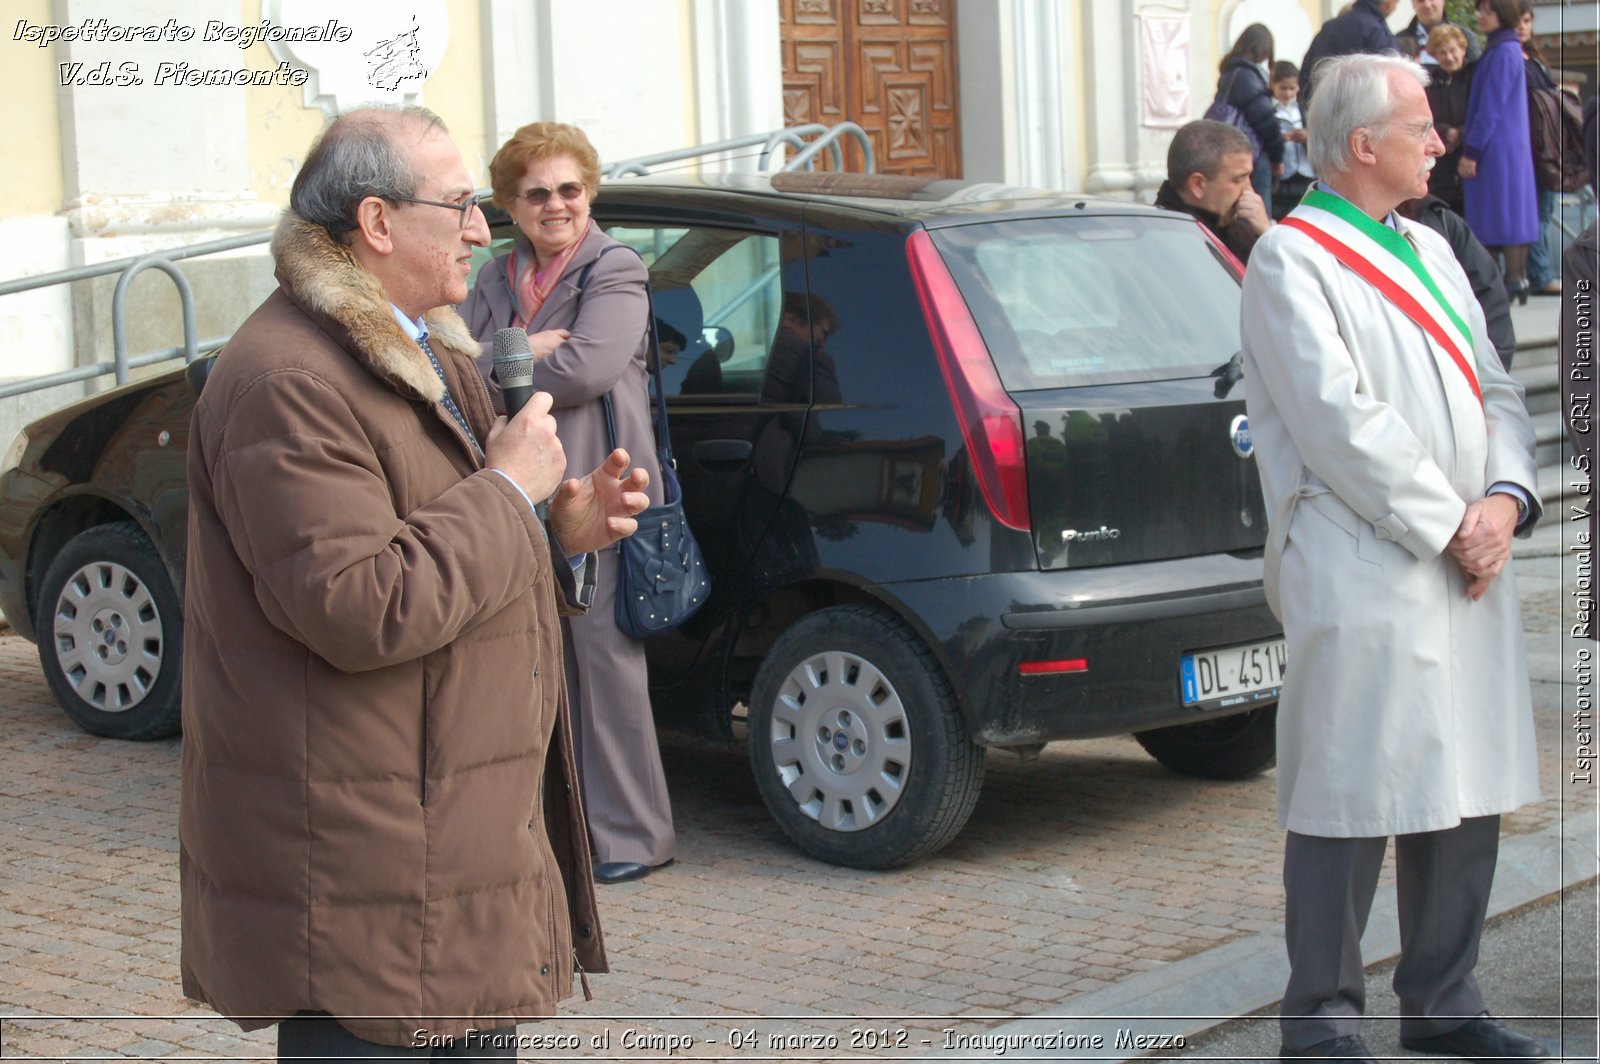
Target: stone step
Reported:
point(1535, 368)
point(1534, 353)
point(1550, 433)
point(1541, 394)
point(1560, 485)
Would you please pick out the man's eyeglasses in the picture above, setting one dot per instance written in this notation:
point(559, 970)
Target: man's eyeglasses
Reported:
point(1420, 130)
point(567, 190)
point(464, 209)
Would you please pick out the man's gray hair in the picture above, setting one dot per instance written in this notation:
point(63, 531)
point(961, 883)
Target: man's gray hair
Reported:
point(356, 157)
point(1350, 92)
point(1198, 148)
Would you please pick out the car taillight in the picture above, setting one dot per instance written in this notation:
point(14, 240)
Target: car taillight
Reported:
point(991, 424)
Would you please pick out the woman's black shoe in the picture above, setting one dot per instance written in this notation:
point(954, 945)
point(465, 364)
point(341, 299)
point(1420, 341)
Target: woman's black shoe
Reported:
point(624, 871)
point(1519, 291)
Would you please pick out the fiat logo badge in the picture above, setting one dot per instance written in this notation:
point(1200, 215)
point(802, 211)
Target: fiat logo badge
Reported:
point(1239, 436)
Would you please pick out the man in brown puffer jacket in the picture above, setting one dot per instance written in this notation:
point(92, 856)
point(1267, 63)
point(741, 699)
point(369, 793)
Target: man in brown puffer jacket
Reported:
point(380, 840)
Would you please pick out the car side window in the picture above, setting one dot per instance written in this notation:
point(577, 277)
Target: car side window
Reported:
point(717, 296)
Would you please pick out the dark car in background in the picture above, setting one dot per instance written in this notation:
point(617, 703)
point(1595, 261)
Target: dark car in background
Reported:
point(968, 466)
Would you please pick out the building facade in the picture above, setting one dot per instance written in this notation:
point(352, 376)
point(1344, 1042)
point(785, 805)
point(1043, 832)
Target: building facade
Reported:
point(146, 124)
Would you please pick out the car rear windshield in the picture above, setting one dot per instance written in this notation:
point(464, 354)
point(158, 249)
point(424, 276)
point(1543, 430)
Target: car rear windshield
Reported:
point(1071, 301)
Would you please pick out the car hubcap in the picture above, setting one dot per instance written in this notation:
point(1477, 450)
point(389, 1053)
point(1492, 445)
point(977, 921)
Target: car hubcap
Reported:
point(840, 741)
point(108, 636)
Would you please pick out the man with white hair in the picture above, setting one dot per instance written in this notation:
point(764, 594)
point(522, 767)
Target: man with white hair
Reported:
point(1397, 463)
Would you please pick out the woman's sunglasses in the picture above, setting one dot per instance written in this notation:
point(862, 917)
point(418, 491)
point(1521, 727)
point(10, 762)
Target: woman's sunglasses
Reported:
point(567, 190)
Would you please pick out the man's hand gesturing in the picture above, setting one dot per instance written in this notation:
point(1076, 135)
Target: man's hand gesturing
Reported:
point(595, 511)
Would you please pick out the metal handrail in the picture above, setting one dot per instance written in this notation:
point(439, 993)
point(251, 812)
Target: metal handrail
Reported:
point(827, 138)
point(749, 292)
point(830, 139)
point(119, 326)
point(129, 268)
point(640, 165)
point(100, 369)
point(1584, 199)
point(102, 269)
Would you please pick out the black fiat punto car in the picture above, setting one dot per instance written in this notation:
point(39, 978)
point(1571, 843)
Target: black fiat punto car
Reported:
point(968, 464)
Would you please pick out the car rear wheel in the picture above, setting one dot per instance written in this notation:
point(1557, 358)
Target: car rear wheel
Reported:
point(111, 634)
point(1227, 748)
point(856, 743)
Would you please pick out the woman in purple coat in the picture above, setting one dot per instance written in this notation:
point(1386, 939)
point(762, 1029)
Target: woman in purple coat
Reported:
point(1497, 157)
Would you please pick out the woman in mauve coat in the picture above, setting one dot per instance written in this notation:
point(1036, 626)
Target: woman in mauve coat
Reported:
point(586, 344)
point(1497, 160)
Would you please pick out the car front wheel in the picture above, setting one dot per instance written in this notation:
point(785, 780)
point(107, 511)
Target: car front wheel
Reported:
point(1228, 748)
point(856, 743)
point(111, 634)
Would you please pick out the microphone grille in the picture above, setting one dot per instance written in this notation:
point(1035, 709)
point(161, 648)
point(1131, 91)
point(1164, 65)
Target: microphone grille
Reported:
point(513, 360)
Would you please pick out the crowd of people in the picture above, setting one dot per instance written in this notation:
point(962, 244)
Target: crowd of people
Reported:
point(1481, 80)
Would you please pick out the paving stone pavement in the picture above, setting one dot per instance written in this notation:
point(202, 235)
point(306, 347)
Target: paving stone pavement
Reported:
point(1083, 868)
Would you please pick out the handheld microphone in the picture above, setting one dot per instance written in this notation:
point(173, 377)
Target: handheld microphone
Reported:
point(513, 368)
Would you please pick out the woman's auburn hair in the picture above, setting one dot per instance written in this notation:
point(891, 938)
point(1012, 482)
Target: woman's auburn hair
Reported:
point(1445, 32)
point(538, 141)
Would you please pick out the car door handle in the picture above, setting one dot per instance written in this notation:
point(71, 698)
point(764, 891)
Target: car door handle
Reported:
point(722, 452)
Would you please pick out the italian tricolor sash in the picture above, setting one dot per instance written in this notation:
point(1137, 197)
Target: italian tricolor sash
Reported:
point(1387, 261)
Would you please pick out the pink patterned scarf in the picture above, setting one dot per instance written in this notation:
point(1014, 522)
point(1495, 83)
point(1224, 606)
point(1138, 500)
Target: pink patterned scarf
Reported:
point(533, 286)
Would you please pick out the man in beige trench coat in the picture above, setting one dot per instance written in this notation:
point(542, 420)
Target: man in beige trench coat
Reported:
point(380, 846)
point(1397, 461)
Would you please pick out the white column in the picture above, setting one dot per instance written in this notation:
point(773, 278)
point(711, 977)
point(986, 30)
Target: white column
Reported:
point(737, 71)
point(1111, 114)
point(151, 160)
point(985, 43)
point(1019, 94)
point(147, 162)
point(1038, 94)
point(35, 327)
point(517, 67)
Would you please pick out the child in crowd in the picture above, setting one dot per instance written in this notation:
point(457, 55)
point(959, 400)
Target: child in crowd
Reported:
point(1297, 174)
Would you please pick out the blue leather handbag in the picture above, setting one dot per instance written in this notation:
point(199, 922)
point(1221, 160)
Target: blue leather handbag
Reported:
point(662, 577)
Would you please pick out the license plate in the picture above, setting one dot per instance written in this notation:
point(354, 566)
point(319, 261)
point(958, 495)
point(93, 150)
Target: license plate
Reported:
point(1232, 676)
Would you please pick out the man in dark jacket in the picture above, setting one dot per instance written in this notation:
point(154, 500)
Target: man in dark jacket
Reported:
point(1363, 28)
point(1429, 16)
point(1487, 282)
point(379, 841)
point(1208, 176)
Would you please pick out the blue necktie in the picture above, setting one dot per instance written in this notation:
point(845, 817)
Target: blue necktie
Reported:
point(449, 403)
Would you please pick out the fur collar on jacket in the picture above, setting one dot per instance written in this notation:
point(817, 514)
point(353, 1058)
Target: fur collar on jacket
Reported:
point(323, 277)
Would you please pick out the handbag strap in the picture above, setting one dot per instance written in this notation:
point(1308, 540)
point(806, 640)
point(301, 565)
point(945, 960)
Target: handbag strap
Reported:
point(1226, 94)
point(659, 416)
